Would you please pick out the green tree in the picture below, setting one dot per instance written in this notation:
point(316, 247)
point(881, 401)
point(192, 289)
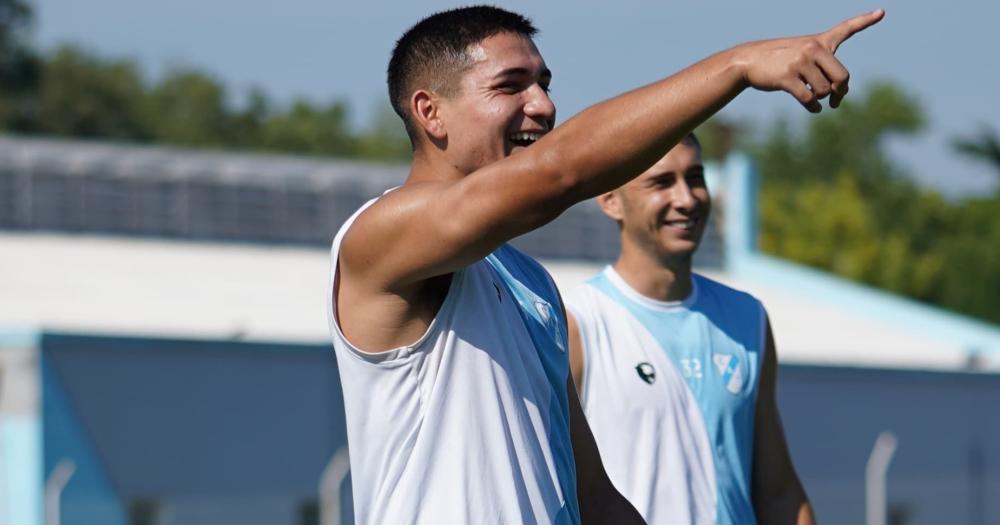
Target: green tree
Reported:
point(973, 284)
point(831, 198)
point(188, 107)
point(247, 124)
point(82, 95)
point(310, 129)
point(984, 146)
point(19, 66)
point(75, 93)
point(385, 138)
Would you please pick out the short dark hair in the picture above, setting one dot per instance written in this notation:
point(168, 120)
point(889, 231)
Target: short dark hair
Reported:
point(434, 52)
point(693, 139)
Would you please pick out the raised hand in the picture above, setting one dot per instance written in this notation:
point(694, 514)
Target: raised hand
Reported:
point(805, 66)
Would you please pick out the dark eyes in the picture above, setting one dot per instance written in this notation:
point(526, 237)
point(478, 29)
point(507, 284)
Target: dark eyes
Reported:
point(693, 178)
point(509, 87)
point(515, 87)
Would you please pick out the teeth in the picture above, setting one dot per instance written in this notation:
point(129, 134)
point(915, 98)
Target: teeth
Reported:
point(528, 137)
point(683, 224)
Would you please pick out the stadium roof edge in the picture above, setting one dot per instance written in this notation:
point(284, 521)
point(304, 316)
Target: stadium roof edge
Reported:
point(744, 261)
point(82, 156)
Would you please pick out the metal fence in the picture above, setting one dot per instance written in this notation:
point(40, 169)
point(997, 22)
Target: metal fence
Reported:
point(117, 189)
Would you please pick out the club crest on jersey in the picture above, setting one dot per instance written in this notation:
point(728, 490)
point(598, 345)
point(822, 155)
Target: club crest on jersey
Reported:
point(646, 372)
point(729, 368)
point(544, 310)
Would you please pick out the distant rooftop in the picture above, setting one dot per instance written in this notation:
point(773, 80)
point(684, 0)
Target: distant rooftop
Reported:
point(152, 191)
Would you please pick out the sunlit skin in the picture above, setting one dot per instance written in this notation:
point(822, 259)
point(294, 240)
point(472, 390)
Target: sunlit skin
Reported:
point(663, 214)
point(503, 93)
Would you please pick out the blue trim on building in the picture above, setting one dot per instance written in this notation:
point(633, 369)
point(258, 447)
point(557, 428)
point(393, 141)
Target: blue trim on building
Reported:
point(20, 470)
point(743, 260)
point(19, 337)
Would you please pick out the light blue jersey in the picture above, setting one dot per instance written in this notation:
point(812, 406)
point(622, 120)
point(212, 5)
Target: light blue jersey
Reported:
point(670, 391)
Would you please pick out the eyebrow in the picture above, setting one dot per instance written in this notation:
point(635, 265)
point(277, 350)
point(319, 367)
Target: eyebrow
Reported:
point(546, 73)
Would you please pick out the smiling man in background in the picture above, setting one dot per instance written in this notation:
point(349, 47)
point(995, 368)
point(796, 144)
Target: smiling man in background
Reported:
point(676, 371)
point(451, 345)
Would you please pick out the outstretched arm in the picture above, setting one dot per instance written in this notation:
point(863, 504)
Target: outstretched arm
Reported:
point(778, 496)
point(434, 228)
point(598, 150)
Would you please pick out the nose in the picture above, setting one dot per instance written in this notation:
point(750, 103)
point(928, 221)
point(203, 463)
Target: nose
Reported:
point(539, 105)
point(681, 197)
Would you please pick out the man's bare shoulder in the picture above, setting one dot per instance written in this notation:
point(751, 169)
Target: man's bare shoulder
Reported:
point(385, 214)
point(385, 231)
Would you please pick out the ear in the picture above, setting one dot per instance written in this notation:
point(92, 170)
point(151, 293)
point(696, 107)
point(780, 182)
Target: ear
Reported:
point(611, 205)
point(425, 108)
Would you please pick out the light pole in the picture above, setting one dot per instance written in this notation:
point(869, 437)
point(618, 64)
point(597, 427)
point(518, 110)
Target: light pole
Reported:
point(329, 487)
point(875, 473)
point(54, 487)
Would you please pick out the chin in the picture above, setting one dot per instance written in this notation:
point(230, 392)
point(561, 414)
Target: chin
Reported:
point(679, 250)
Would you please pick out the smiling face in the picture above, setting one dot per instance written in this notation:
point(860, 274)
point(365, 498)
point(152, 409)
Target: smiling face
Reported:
point(502, 104)
point(664, 211)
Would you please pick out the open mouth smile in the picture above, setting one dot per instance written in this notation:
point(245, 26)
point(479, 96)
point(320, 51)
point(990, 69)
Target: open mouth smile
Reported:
point(525, 138)
point(683, 224)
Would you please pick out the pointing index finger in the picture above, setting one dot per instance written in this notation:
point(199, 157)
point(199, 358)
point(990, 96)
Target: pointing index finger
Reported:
point(846, 29)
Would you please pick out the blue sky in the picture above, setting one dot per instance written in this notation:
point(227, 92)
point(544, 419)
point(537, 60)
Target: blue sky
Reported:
point(943, 53)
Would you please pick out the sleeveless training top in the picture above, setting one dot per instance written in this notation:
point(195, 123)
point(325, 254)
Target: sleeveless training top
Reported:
point(670, 391)
point(469, 424)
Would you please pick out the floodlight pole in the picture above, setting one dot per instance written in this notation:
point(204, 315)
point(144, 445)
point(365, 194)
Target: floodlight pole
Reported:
point(875, 474)
point(54, 487)
point(329, 487)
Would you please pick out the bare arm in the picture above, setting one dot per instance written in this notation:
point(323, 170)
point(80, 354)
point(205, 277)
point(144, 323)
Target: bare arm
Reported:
point(431, 229)
point(575, 352)
point(600, 501)
point(778, 496)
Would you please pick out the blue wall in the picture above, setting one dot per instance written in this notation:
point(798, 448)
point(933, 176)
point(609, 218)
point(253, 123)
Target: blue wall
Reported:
point(228, 432)
point(212, 432)
point(947, 465)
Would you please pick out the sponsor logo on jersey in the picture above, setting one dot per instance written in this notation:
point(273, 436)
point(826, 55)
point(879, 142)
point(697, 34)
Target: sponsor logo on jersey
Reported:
point(729, 368)
point(544, 310)
point(646, 372)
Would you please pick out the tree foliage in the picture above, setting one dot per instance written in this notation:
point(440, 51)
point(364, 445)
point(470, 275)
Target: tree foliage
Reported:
point(18, 65)
point(83, 95)
point(831, 198)
point(984, 146)
point(74, 93)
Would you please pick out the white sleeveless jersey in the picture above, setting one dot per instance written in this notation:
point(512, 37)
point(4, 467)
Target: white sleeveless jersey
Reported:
point(670, 391)
point(469, 424)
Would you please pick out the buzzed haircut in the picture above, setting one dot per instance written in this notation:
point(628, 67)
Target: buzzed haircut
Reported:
point(434, 53)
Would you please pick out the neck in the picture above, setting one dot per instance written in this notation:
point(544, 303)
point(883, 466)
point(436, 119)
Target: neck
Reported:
point(429, 166)
point(660, 279)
